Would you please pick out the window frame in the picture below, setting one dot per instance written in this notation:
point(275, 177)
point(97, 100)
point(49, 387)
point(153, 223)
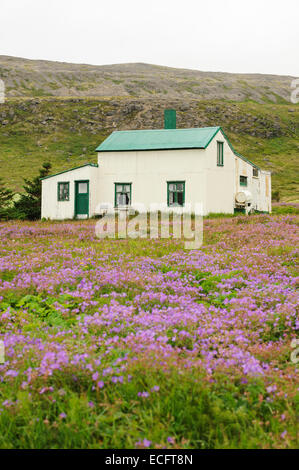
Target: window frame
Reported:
point(184, 190)
point(115, 192)
point(220, 154)
point(253, 170)
point(245, 182)
point(59, 199)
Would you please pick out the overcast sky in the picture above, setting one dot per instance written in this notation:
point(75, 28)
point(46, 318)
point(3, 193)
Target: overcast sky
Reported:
point(254, 36)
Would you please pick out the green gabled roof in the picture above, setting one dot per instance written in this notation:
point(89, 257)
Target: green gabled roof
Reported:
point(246, 160)
point(238, 154)
point(158, 139)
point(164, 139)
point(70, 169)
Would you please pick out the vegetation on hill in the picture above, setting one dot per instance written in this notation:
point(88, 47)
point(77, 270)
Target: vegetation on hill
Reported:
point(29, 78)
point(38, 123)
point(67, 131)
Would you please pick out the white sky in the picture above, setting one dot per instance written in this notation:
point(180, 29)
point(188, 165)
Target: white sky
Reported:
point(250, 36)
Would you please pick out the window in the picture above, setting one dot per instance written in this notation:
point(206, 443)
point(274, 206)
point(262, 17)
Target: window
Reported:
point(176, 193)
point(82, 188)
point(63, 191)
point(219, 153)
point(243, 180)
point(123, 193)
point(255, 172)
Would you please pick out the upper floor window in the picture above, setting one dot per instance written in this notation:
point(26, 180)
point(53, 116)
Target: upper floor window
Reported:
point(243, 180)
point(123, 194)
point(255, 172)
point(219, 153)
point(176, 193)
point(63, 191)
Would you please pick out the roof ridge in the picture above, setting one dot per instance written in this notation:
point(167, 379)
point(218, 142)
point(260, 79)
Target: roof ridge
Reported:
point(167, 130)
point(70, 169)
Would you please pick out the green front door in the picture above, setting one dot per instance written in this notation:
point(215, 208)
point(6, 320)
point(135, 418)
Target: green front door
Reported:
point(82, 199)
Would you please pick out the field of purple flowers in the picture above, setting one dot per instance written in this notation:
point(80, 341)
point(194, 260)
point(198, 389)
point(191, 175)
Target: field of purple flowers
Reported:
point(140, 343)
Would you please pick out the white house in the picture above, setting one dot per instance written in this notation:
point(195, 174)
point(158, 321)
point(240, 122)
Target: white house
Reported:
point(167, 166)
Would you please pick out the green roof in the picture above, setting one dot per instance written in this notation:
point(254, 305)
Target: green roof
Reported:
point(158, 139)
point(246, 160)
point(238, 154)
point(70, 169)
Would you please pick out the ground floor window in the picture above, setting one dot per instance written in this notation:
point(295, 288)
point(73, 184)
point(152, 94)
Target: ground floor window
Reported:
point(123, 193)
point(176, 193)
point(243, 180)
point(63, 191)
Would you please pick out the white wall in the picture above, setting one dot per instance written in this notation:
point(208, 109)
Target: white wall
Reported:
point(149, 171)
point(265, 193)
point(259, 187)
point(220, 179)
point(59, 210)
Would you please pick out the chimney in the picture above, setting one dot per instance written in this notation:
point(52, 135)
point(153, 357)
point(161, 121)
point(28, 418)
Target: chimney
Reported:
point(169, 119)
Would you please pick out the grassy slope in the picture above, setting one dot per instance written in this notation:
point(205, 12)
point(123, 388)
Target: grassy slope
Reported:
point(66, 132)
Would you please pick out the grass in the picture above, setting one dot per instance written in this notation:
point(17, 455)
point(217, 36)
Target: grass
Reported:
point(207, 415)
point(285, 209)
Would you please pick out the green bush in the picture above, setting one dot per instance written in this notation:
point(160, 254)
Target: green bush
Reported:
point(6, 200)
point(28, 206)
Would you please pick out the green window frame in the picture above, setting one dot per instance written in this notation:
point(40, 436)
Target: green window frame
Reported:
point(175, 193)
point(122, 194)
point(243, 180)
point(63, 191)
point(219, 153)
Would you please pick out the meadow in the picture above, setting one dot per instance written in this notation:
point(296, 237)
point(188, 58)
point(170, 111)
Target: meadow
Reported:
point(143, 344)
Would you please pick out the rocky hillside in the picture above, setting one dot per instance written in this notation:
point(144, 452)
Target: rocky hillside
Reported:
point(60, 112)
point(67, 131)
point(29, 78)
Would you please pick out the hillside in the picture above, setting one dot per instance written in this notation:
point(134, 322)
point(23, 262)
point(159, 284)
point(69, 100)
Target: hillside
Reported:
point(24, 77)
point(66, 130)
